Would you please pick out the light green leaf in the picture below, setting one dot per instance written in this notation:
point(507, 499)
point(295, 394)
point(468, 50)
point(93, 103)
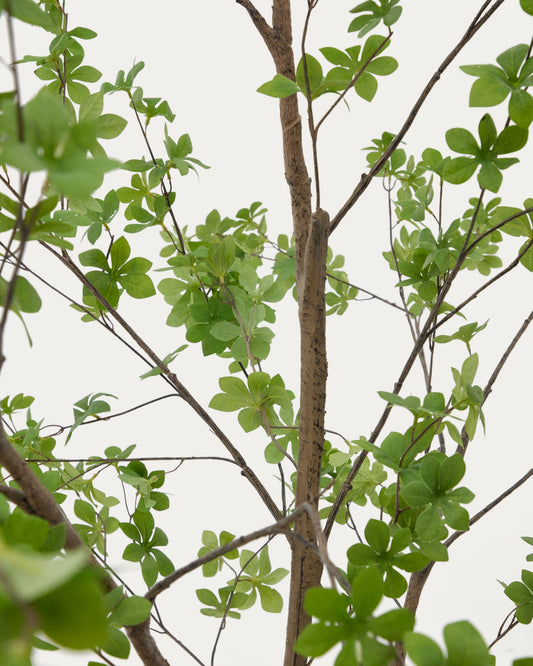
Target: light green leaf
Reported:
point(422, 650)
point(326, 604)
point(271, 599)
point(110, 126)
point(280, 86)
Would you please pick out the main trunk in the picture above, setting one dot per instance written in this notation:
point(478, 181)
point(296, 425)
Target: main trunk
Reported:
point(310, 236)
point(306, 566)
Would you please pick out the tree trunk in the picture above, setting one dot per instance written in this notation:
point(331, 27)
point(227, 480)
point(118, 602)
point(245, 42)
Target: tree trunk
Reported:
point(306, 566)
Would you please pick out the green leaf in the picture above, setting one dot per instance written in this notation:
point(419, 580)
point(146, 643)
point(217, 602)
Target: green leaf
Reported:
point(527, 258)
point(316, 639)
point(459, 169)
point(367, 591)
point(465, 645)
point(314, 73)
point(366, 86)
point(120, 251)
point(511, 139)
point(74, 615)
point(488, 90)
point(131, 611)
point(377, 535)
point(462, 141)
point(26, 297)
point(422, 650)
point(393, 624)
point(109, 126)
point(511, 59)
point(85, 511)
point(86, 73)
point(428, 523)
point(280, 86)
point(149, 570)
point(527, 6)
point(451, 472)
point(29, 12)
point(469, 368)
point(326, 604)
point(271, 599)
point(117, 645)
point(521, 108)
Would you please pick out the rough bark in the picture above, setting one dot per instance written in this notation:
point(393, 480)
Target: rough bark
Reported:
point(306, 566)
point(310, 235)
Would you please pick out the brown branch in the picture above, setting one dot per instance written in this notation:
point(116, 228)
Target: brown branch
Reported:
point(418, 579)
point(481, 17)
point(260, 23)
point(279, 527)
point(43, 504)
point(182, 391)
point(17, 497)
point(310, 239)
point(461, 449)
point(276, 528)
point(306, 567)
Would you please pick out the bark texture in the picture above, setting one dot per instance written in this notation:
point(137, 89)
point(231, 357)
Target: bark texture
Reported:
point(310, 235)
point(306, 566)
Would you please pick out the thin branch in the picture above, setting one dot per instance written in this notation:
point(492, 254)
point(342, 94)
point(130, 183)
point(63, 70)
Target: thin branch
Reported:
point(166, 194)
point(171, 377)
point(352, 83)
point(281, 526)
point(310, 118)
point(370, 293)
point(106, 461)
point(43, 503)
point(419, 578)
point(264, 29)
point(424, 334)
point(276, 528)
point(481, 17)
point(113, 416)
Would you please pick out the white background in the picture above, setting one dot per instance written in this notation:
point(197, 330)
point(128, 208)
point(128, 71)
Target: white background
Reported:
point(206, 59)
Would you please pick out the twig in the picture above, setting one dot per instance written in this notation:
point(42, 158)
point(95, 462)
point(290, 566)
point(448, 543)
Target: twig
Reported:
point(481, 17)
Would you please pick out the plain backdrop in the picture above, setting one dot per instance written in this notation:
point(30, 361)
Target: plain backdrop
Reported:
point(205, 58)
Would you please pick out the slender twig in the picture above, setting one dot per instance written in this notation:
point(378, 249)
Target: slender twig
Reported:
point(356, 77)
point(424, 334)
point(166, 194)
point(222, 623)
point(281, 526)
point(104, 461)
point(112, 416)
point(480, 19)
point(171, 377)
point(276, 528)
point(308, 96)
